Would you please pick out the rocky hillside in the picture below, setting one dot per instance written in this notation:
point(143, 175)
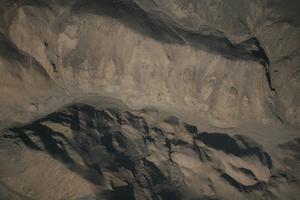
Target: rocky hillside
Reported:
point(226, 61)
point(81, 152)
point(149, 99)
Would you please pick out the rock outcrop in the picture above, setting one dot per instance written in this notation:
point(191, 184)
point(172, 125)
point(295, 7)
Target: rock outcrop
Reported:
point(80, 152)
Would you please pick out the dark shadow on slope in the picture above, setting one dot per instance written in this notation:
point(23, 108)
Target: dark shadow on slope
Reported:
point(109, 149)
point(155, 175)
point(81, 119)
point(293, 146)
point(55, 143)
point(155, 25)
point(137, 122)
point(253, 46)
point(191, 129)
point(59, 117)
point(163, 29)
point(122, 192)
point(230, 145)
point(24, 138)
point(11, 52)
point(260, 186)
point(120, 157)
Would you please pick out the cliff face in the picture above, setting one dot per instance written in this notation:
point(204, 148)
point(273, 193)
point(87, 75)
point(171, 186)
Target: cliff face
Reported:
point(217, 60)
point(224, 66)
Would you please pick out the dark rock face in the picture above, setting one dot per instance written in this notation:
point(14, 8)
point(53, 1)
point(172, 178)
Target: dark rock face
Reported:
point(125, 157)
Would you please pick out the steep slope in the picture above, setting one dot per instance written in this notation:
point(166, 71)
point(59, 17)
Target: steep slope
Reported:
point(149, 99)
point(80, 152)
point(25, 86)
point(171, 55)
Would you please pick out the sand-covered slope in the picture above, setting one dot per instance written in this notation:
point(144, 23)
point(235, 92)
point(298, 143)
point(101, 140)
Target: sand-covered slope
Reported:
point(219, 60)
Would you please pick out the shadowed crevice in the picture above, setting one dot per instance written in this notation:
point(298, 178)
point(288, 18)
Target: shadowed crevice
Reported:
point(230, 145)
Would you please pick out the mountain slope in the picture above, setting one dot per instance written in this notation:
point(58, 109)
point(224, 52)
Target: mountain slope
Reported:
point(80, 152)
point(171, 55)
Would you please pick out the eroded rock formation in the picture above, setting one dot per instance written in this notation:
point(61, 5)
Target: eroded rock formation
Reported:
point(84, 153)
point(209, 90)
point(189, 56)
